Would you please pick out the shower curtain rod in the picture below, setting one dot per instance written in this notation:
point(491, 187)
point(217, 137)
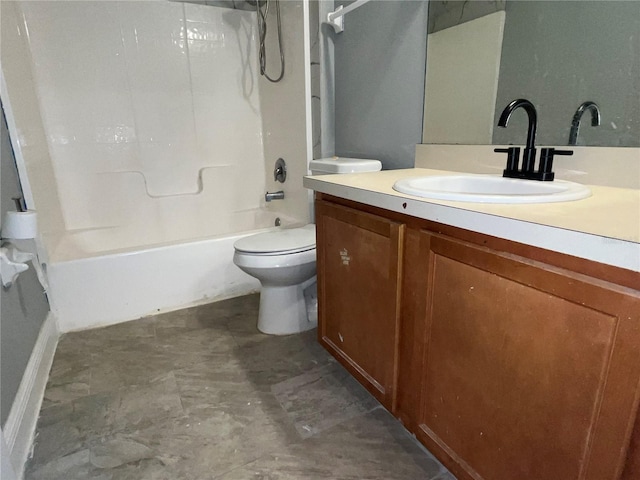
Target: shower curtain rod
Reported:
point(336, 18)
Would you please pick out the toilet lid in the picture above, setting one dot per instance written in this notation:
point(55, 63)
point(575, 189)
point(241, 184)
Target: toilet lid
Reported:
point(289, 240)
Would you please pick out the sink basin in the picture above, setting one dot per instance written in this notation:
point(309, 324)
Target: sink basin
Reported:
point(491, 189)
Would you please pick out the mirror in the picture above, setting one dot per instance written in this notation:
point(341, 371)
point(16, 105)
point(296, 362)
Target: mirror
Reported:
point(557, 54)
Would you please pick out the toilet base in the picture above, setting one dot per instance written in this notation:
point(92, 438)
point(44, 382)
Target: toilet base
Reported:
point(283, 310)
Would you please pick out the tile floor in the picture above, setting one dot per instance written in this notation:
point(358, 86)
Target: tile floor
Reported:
point(201, 394)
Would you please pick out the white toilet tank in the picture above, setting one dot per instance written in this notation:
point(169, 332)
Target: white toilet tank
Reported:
point(331, 165)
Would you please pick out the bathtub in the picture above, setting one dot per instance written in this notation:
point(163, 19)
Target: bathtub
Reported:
point(94, 281)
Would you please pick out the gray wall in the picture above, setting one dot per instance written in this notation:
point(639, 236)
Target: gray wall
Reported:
point(379, 81)
point(23, 306)
point(596, 56)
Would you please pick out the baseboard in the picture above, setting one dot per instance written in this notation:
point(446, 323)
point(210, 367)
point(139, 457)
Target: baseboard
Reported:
point(20, 426)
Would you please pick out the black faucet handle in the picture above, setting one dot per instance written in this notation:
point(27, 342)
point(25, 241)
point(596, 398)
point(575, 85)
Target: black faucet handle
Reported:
point(562, 152)
point(545, 171)
point(513, 159)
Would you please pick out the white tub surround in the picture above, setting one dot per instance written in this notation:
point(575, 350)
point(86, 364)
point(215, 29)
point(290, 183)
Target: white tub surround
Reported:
point(604, 227)
point(285, 108)
point(151, 114)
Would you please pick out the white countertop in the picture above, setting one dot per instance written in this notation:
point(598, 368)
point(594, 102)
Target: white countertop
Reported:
point(604, 227)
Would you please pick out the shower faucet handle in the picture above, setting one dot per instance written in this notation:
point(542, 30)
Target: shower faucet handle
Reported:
point(280, 171)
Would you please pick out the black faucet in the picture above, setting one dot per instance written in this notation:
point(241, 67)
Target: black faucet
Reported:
point(529, 156)
point(575, 123)
point(544, 172)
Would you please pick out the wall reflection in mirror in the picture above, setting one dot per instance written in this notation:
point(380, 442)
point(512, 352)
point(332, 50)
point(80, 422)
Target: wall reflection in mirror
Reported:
point(563, 56)
point(235, 4)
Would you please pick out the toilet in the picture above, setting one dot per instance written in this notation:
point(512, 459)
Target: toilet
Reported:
point(284, 261)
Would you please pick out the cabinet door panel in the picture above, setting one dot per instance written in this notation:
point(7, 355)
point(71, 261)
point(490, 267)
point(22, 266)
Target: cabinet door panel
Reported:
point(526, 367)
point(359, 259)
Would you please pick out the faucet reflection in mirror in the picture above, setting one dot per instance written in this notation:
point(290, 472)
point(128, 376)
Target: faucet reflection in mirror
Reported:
point(528, 172)
point(575, 123)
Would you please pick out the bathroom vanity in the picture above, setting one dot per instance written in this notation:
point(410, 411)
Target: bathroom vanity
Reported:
point(506, 358)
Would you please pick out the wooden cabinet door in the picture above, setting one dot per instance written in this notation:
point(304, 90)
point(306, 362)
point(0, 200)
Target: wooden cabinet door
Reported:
point(529, 371)
point(359, 268)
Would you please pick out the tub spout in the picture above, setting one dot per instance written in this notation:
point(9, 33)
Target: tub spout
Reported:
point(279, 195)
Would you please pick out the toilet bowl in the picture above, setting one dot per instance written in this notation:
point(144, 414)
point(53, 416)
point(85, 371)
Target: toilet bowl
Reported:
point(284, 261)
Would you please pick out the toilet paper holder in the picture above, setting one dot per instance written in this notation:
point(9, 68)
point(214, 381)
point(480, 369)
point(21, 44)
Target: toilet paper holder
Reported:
point(19, 225)
point(12, 263)
point(19, 201)
point(18, 233)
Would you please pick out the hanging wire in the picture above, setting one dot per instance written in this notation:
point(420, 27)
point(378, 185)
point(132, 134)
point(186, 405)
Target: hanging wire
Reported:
point(262, 34)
